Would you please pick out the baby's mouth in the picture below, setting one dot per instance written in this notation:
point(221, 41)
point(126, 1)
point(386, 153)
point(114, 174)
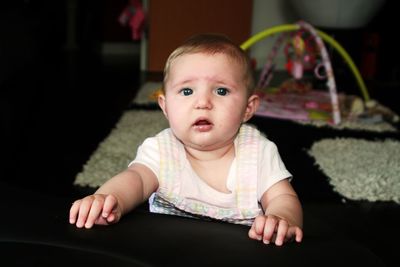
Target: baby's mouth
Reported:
point(203, 125)
point(202, 122)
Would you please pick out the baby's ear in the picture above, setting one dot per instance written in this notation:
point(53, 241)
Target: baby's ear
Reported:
point(161, 103)
point(252, 105)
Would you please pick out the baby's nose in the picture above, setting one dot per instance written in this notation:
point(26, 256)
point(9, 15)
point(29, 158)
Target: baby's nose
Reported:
point(204, 101)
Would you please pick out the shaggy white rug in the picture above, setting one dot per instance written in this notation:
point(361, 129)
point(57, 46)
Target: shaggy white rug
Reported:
point(360, 169)
point(119, 148)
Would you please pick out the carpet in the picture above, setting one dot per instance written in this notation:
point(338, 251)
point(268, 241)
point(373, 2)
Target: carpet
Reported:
point(118, 149)
point(360, 169)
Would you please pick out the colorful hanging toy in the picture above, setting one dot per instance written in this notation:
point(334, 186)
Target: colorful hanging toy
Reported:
point(306, 51)
point(301, 53)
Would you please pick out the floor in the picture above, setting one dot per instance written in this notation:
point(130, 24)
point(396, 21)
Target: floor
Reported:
point(80, 101)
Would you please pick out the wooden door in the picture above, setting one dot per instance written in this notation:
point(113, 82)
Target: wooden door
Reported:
point(172, 21)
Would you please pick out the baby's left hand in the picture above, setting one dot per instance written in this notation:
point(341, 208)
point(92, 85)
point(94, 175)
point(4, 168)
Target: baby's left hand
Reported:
point(273, 229)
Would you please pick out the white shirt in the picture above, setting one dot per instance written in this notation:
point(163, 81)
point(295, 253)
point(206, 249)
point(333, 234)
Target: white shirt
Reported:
point(271, 169)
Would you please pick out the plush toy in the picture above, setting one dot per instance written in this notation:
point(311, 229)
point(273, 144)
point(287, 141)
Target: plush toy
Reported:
point(133, 16)
point(301, 53)
point(374, 108)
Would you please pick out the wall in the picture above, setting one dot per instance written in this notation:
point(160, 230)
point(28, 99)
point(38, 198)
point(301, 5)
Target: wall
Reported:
point(267, 14)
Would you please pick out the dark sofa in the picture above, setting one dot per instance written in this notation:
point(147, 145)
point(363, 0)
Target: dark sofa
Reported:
point(35, 232)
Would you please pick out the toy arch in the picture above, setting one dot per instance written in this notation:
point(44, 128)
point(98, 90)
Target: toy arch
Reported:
point(294, 27)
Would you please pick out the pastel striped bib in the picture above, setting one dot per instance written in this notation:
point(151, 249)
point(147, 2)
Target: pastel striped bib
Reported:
point(167, 199)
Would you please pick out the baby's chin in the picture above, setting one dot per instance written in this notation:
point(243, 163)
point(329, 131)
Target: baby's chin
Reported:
point(207, 145)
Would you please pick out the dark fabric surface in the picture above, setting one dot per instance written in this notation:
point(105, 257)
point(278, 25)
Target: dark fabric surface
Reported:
point(35, 232)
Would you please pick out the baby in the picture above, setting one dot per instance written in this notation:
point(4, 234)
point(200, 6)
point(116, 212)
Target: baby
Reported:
point(209, 164)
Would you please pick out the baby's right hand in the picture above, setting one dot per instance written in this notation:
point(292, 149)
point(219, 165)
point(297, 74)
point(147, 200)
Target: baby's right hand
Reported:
point(95, 209)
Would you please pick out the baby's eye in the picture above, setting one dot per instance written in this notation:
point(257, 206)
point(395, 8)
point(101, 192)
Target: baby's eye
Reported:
point(186, 91)
point(222, 91)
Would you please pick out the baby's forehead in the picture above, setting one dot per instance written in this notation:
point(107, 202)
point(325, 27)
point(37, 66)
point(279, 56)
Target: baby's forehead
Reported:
point(208, 54)
point(189, 61)
point(198, 63)
point(232, 61)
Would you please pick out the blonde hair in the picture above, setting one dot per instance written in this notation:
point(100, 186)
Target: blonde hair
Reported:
point(213, 44)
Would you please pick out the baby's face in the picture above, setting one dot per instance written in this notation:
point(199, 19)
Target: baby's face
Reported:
point(205, 99)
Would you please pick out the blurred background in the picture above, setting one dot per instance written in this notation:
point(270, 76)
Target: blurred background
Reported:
point(69, 68)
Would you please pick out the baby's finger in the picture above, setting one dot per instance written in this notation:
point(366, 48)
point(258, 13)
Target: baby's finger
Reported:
point(259, 224)
point(281, 233)
point(113, 217)
point(257, 228)
point(253, 235)
point(252, 232)
point(110, 204)
point(294, 233)
point(84, 209)
point(95, 211)
point(299, 234)
point(269, 228)
point(73, 212)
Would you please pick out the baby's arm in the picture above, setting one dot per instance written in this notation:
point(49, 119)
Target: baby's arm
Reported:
point(283, 219)
point(114, 198)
